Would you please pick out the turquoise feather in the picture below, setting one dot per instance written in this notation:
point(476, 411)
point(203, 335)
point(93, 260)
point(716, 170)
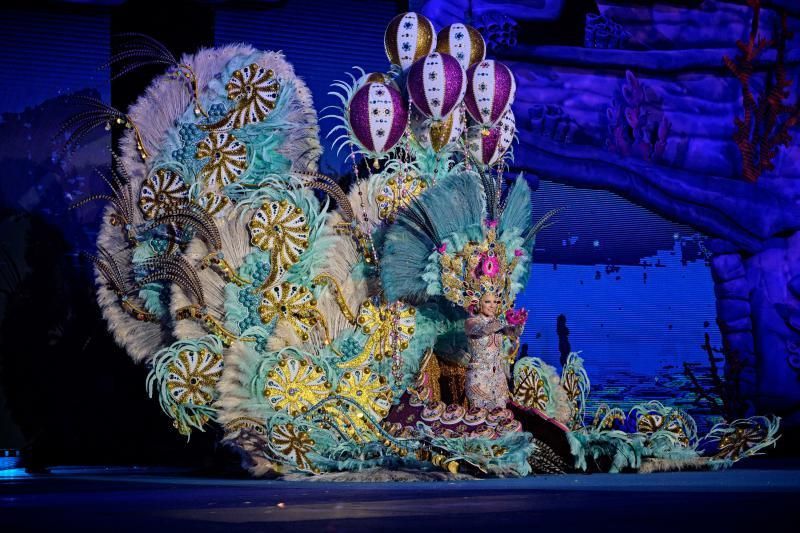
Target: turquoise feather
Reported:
point(516, 214)
point(455, 206)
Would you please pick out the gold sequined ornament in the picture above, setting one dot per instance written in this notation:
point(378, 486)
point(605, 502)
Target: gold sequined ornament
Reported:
point(255, 90)
point(214, 203)
point(465, 281)
point(293, 444)
point(389, 327)
point(649, 423)
point(571, 384)
point(463, 42)
point(396, 194)
point(681, 425)
point(280, 228)
point(738, 441)
point(607, 418)
point(193, 375)
point(530, 389)
point(367, 388)
point(372, 393)
point(227, 159)
point(295, 386)
point(160, 191)
point(438, 134)
point(291, 303)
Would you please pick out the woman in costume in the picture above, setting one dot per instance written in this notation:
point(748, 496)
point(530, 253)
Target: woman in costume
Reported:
point(487, 373)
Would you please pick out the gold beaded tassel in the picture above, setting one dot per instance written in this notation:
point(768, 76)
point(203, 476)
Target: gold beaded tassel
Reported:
point(397, 359)
point(467, 163)
point(368, 234)
point(499, 175)
point(189, 74)
point(407, 144)
point(409, 135)
point(363, 238)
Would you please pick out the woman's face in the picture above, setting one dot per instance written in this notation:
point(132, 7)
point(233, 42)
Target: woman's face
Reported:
point(489, 304)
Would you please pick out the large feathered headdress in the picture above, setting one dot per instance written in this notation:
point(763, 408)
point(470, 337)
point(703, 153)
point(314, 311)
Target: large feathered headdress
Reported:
point(478, 269)
point(458, 241)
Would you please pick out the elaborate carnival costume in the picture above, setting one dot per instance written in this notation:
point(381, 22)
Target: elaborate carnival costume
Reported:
point(312, 334)
point(485, 384)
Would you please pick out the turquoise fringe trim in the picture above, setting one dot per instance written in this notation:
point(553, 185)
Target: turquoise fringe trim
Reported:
point(186, 415)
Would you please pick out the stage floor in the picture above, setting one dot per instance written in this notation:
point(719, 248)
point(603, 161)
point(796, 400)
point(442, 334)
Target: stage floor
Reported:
point(762, 494)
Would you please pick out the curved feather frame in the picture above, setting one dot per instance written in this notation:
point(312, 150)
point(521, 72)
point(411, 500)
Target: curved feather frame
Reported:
point(155, 113)
point(342, 262)
point(217, 276)
point(343, 131)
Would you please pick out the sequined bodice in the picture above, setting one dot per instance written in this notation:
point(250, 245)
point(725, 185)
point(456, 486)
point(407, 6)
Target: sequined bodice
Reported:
point(485, 349)
point(486, 384)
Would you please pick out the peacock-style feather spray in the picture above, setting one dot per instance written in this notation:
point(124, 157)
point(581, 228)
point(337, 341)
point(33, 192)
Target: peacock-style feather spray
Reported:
point(120, 199)
point(137, 50)
point(97, 113)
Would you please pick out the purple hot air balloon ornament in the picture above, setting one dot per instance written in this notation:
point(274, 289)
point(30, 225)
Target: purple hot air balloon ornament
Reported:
point(489, 147)
point(490, 91)
point(462, 42)
point(409, 37)
point(436, 85)
point(378, 117)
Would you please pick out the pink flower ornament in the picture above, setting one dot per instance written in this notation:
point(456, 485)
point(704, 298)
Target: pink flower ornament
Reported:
point(490, 266)
point(517, 317)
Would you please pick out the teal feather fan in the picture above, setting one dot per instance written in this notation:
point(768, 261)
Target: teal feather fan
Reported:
point(451, 211)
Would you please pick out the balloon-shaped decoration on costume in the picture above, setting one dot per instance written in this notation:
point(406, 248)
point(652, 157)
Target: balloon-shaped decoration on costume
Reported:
point(436, 85)
point(378, 117)
point(463, 42)
point(490, 91)
point(489, 148)
point(409, 37)
point(437, 135)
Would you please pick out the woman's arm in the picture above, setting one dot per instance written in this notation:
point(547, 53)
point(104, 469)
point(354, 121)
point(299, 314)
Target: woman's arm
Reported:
point(512, 332)
point(475, 327)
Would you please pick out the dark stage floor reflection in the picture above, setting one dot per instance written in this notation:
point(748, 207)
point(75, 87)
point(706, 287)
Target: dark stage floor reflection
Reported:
point(761, 494)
